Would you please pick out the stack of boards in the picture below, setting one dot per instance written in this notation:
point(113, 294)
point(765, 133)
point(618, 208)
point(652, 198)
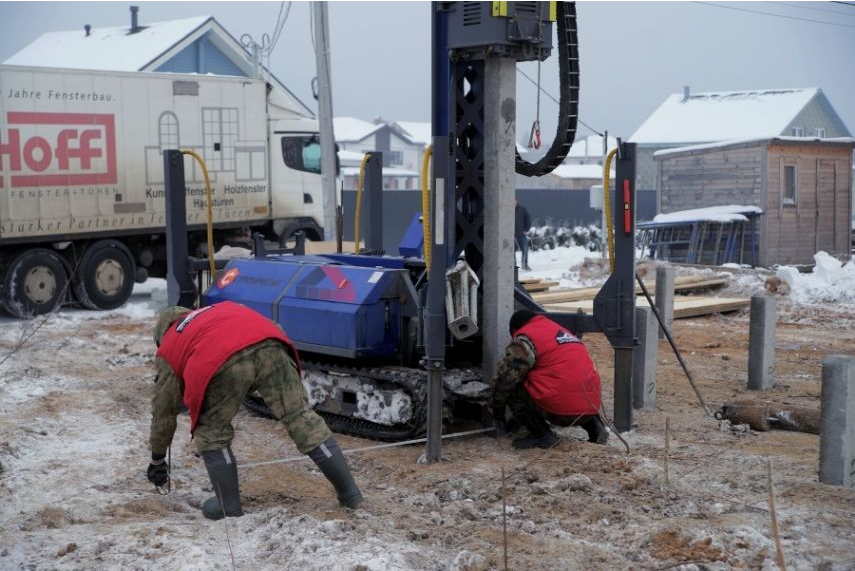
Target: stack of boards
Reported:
point(571, 300)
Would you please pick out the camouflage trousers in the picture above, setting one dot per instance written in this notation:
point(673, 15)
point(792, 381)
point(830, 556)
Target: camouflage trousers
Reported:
point(269, 369)
point(521, 405)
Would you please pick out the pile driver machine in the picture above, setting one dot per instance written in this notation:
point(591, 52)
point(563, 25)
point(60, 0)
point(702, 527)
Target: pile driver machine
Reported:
point(393, 345)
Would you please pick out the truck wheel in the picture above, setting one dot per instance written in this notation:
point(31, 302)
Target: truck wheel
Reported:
point(35, 283)
point(105, 276)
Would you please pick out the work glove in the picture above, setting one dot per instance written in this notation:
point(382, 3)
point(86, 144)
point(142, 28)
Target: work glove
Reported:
point(158, 474)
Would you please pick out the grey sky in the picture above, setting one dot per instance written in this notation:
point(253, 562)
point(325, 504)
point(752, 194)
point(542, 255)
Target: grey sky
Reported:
point(633, 54)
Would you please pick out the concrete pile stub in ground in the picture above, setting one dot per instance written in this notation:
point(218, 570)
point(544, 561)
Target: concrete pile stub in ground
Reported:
point(665, 297)
point(644, 359)
point(761, 343)
point(837, 430)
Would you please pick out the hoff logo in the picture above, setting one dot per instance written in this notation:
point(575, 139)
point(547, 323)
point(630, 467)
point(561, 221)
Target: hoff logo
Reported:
point(62, 149)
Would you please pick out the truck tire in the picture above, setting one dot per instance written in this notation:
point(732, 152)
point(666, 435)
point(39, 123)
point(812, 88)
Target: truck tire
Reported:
point(36, 282)
point(105, 277)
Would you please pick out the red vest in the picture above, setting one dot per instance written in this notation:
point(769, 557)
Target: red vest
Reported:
point(564, 380)
point(200, 343)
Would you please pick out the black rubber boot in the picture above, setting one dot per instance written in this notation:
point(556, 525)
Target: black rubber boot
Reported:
point(332, 464)
point(222, 469)
point(597, 432)
point(539, 433)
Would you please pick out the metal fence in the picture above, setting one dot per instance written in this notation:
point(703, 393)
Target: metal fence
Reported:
point(545, 206)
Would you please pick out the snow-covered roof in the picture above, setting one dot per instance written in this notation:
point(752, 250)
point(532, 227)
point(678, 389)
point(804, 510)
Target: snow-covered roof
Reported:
point(729, 213)
point(747, 142)
point(109, 49)
point(387, 171)
point(116, 49)
point(419, 132)
point(723, 115)
point(353, 129)
point(350, 158)
point(590, 146)
point(580, 171)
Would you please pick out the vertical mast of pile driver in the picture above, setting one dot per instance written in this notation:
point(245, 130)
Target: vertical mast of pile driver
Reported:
point(475, 49)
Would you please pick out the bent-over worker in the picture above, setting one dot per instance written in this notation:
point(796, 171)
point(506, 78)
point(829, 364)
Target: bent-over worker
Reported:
point(546, 375)
point(209, 359)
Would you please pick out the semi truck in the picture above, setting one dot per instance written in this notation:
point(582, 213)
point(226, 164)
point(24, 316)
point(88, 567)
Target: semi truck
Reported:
point(82, 212)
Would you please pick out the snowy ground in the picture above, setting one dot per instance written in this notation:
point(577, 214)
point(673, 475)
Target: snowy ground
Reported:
point(74, 411)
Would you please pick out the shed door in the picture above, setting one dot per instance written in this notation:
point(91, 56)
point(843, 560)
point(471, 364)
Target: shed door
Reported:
point(826, 207)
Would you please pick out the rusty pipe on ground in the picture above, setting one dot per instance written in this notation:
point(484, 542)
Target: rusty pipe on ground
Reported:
point(766, 415)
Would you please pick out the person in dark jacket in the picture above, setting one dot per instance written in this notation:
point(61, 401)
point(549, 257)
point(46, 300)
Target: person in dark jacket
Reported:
point(209, 359)
point(522, 224)
point(546, 375)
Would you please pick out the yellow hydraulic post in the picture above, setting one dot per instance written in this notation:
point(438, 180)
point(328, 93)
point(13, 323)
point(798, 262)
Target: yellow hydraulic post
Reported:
point(607, 208)
point(426, 205)
point(358, 209)
point(209, 200)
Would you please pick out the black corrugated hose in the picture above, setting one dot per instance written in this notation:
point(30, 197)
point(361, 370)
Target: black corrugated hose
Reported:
point(568, 106)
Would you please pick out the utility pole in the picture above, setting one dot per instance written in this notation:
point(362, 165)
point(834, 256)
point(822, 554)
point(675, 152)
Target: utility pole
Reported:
point(325, 117)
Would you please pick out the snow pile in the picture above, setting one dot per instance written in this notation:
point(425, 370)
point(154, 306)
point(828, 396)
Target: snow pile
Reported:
point(830, 281)
point(559, 264)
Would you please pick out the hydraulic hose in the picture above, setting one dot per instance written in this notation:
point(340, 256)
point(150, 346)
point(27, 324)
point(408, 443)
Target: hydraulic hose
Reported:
point(426, 206)
point(607, 206)
point(358, 213)
point(568, 105)
point(209, 200)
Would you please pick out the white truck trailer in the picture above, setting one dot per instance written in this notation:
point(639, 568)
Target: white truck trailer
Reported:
point(82, 181)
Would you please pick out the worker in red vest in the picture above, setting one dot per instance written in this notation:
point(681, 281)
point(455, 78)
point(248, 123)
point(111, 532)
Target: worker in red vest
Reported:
point(209, 359)
point(546, 375)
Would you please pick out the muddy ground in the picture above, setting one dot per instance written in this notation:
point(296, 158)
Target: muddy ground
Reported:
point(74, 411)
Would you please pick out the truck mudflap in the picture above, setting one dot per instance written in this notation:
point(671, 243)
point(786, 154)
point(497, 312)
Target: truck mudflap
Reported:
point(383, 403)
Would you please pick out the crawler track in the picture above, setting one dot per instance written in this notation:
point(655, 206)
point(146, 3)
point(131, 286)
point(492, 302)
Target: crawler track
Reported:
point(345, 417)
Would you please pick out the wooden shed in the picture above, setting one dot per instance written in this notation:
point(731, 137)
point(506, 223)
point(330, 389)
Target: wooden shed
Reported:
point(802, 185)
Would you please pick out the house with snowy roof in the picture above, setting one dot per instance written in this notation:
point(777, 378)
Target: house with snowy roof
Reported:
point(698, 118)
point(401, 148)
point(588, 150)
point(191, 45)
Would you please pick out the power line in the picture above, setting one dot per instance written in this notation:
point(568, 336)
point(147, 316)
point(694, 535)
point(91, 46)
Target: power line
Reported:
point(775, 15)
point(277, 29)
point(803, 7)
point(844, 3)
point(533, 82)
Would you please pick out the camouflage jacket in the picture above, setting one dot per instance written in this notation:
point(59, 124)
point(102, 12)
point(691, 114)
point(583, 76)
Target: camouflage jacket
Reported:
point(519, 359)
point(168, 395)
point(165, 405)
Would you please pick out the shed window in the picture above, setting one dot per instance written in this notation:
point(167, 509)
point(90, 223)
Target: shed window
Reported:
point(798, 131)
point(820, 132)
point(789, 185)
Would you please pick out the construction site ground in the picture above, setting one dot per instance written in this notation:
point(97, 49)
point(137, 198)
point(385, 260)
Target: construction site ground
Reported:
point(74, 413)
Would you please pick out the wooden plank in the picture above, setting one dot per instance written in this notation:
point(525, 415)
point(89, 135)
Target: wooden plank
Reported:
point(539, 286)
point(327, 247)
point(684, 307)
point(684, 283)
